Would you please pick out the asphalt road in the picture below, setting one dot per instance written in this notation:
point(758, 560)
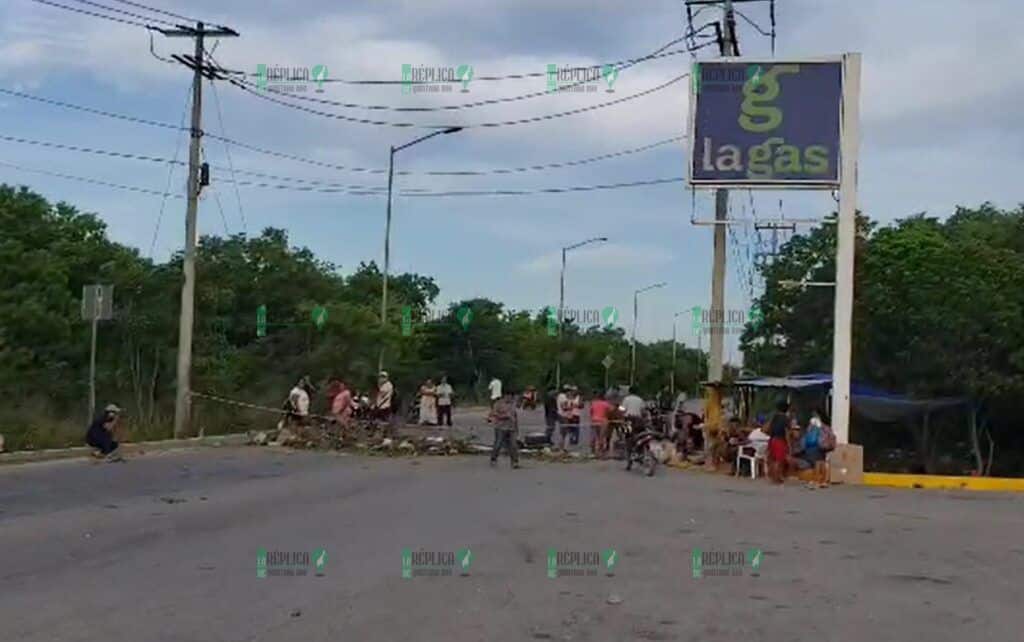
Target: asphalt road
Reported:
point(164, 547)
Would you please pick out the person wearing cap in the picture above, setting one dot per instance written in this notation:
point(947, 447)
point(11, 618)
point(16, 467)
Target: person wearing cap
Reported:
point(506, 428)
point(101, 433)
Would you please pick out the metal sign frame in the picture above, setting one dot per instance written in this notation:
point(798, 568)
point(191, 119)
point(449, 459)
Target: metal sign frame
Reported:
point(826, 184)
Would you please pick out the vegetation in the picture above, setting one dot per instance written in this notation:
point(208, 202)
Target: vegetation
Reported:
point(939, 311)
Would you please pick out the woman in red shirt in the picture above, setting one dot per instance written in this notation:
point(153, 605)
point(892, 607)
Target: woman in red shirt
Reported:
point(599, 428)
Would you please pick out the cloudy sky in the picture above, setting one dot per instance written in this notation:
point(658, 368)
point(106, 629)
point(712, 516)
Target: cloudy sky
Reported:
point(942, 88)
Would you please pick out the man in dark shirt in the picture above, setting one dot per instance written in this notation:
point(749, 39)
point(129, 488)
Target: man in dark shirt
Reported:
point(101, 433)
point(550, 412)
point(778, 446)
point(506, 428)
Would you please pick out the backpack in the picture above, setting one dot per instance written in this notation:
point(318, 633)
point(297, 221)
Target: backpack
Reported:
point(827, 441)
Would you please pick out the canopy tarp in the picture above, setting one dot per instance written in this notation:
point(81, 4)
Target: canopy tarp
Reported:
point(872, 403)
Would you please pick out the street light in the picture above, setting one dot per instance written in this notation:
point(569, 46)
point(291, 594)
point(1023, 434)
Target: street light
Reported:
point(672, 376)
point(561, 305)
point(632, 365)
point(387, 232)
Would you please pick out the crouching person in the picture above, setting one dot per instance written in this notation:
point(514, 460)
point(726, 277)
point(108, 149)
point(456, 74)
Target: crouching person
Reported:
point(506, 428)
point(101, 433)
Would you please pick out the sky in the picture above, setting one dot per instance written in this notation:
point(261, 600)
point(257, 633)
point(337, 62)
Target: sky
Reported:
point(941, 93)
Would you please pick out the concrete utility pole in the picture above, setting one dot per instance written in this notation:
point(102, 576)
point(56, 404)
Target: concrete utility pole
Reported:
point(713, 400)
point(182, 400)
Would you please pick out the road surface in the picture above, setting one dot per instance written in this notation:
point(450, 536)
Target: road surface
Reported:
point(164, 547)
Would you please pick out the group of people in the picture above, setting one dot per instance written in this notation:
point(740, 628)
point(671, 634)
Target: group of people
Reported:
point(786, 444)
point(343, 403)
point(435, 403)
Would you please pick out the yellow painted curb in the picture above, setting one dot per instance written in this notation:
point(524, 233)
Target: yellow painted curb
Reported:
point(1004, 484)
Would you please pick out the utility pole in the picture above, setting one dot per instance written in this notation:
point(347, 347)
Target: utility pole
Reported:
point(713, 403)
point(182, 400)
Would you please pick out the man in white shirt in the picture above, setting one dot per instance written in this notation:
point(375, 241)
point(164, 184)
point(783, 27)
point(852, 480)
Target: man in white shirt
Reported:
point(298, 402)
point(633, 405)
point(495, 390)
point(385, 392)
point(444, 402)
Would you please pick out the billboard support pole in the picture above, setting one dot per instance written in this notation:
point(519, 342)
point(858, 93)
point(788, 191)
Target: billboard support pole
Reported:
point(846, 232)
point(713, 400)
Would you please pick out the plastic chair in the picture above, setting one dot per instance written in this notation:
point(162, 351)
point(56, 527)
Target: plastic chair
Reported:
point(753, 453)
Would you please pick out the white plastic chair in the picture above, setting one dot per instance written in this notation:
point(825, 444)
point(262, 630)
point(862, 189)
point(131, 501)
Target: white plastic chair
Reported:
point(754, 453)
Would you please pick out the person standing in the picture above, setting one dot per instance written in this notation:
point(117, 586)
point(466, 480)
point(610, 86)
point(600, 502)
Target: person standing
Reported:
point(778, 446)
point(385, 396)
point(428, 403)
point(575, 409)
point(564, 415)
point(599, 426)
point(341, 405)
point(444, 403)
point(506, 429)
point(550, 413)
point(494, 388)
point(100, 434)
point(298, 402)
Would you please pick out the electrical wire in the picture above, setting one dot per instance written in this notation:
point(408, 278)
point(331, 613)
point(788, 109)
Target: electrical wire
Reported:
point(123, 12)
point(93, 14)
point(498, 171)
point(82, 179)
point(550, 190)
point(156, 10)
point(753, 24)
point(493, 124)
point(170, 174)
point(441, 108)
point(227, 153)
point(517, 76)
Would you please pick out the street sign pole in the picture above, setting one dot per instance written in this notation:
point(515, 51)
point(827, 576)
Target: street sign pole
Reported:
point(92, 367)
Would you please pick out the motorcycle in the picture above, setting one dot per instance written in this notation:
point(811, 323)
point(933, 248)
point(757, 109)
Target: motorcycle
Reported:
point(639, 445)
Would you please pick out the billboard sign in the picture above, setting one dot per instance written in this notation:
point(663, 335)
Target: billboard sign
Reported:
point(766, 123)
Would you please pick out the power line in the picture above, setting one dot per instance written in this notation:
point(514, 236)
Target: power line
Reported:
point(520, 193)
point(439, 108)
point(498, 171)
point(155, 10)
point(550, 190)
point(93, 14)
point(516, 76)
point(231, 164)
point(83, 179)
point(123, 12)
point(494, 124)
point(170, 176)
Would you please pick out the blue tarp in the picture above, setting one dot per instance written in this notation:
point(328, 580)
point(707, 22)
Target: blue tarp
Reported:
point(871, 402)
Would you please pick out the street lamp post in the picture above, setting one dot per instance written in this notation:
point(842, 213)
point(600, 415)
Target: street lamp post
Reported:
point(387, 233)
point(561, 305)
point(632, 364)
point(672, 376)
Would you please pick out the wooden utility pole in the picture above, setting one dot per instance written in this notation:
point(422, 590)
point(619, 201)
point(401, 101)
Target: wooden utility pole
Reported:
point(182, 401)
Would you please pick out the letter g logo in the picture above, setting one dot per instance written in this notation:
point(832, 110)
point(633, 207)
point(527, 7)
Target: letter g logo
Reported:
point(760, 88)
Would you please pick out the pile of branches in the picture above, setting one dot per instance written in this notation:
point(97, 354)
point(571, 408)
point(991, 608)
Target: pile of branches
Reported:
point(363, 437)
